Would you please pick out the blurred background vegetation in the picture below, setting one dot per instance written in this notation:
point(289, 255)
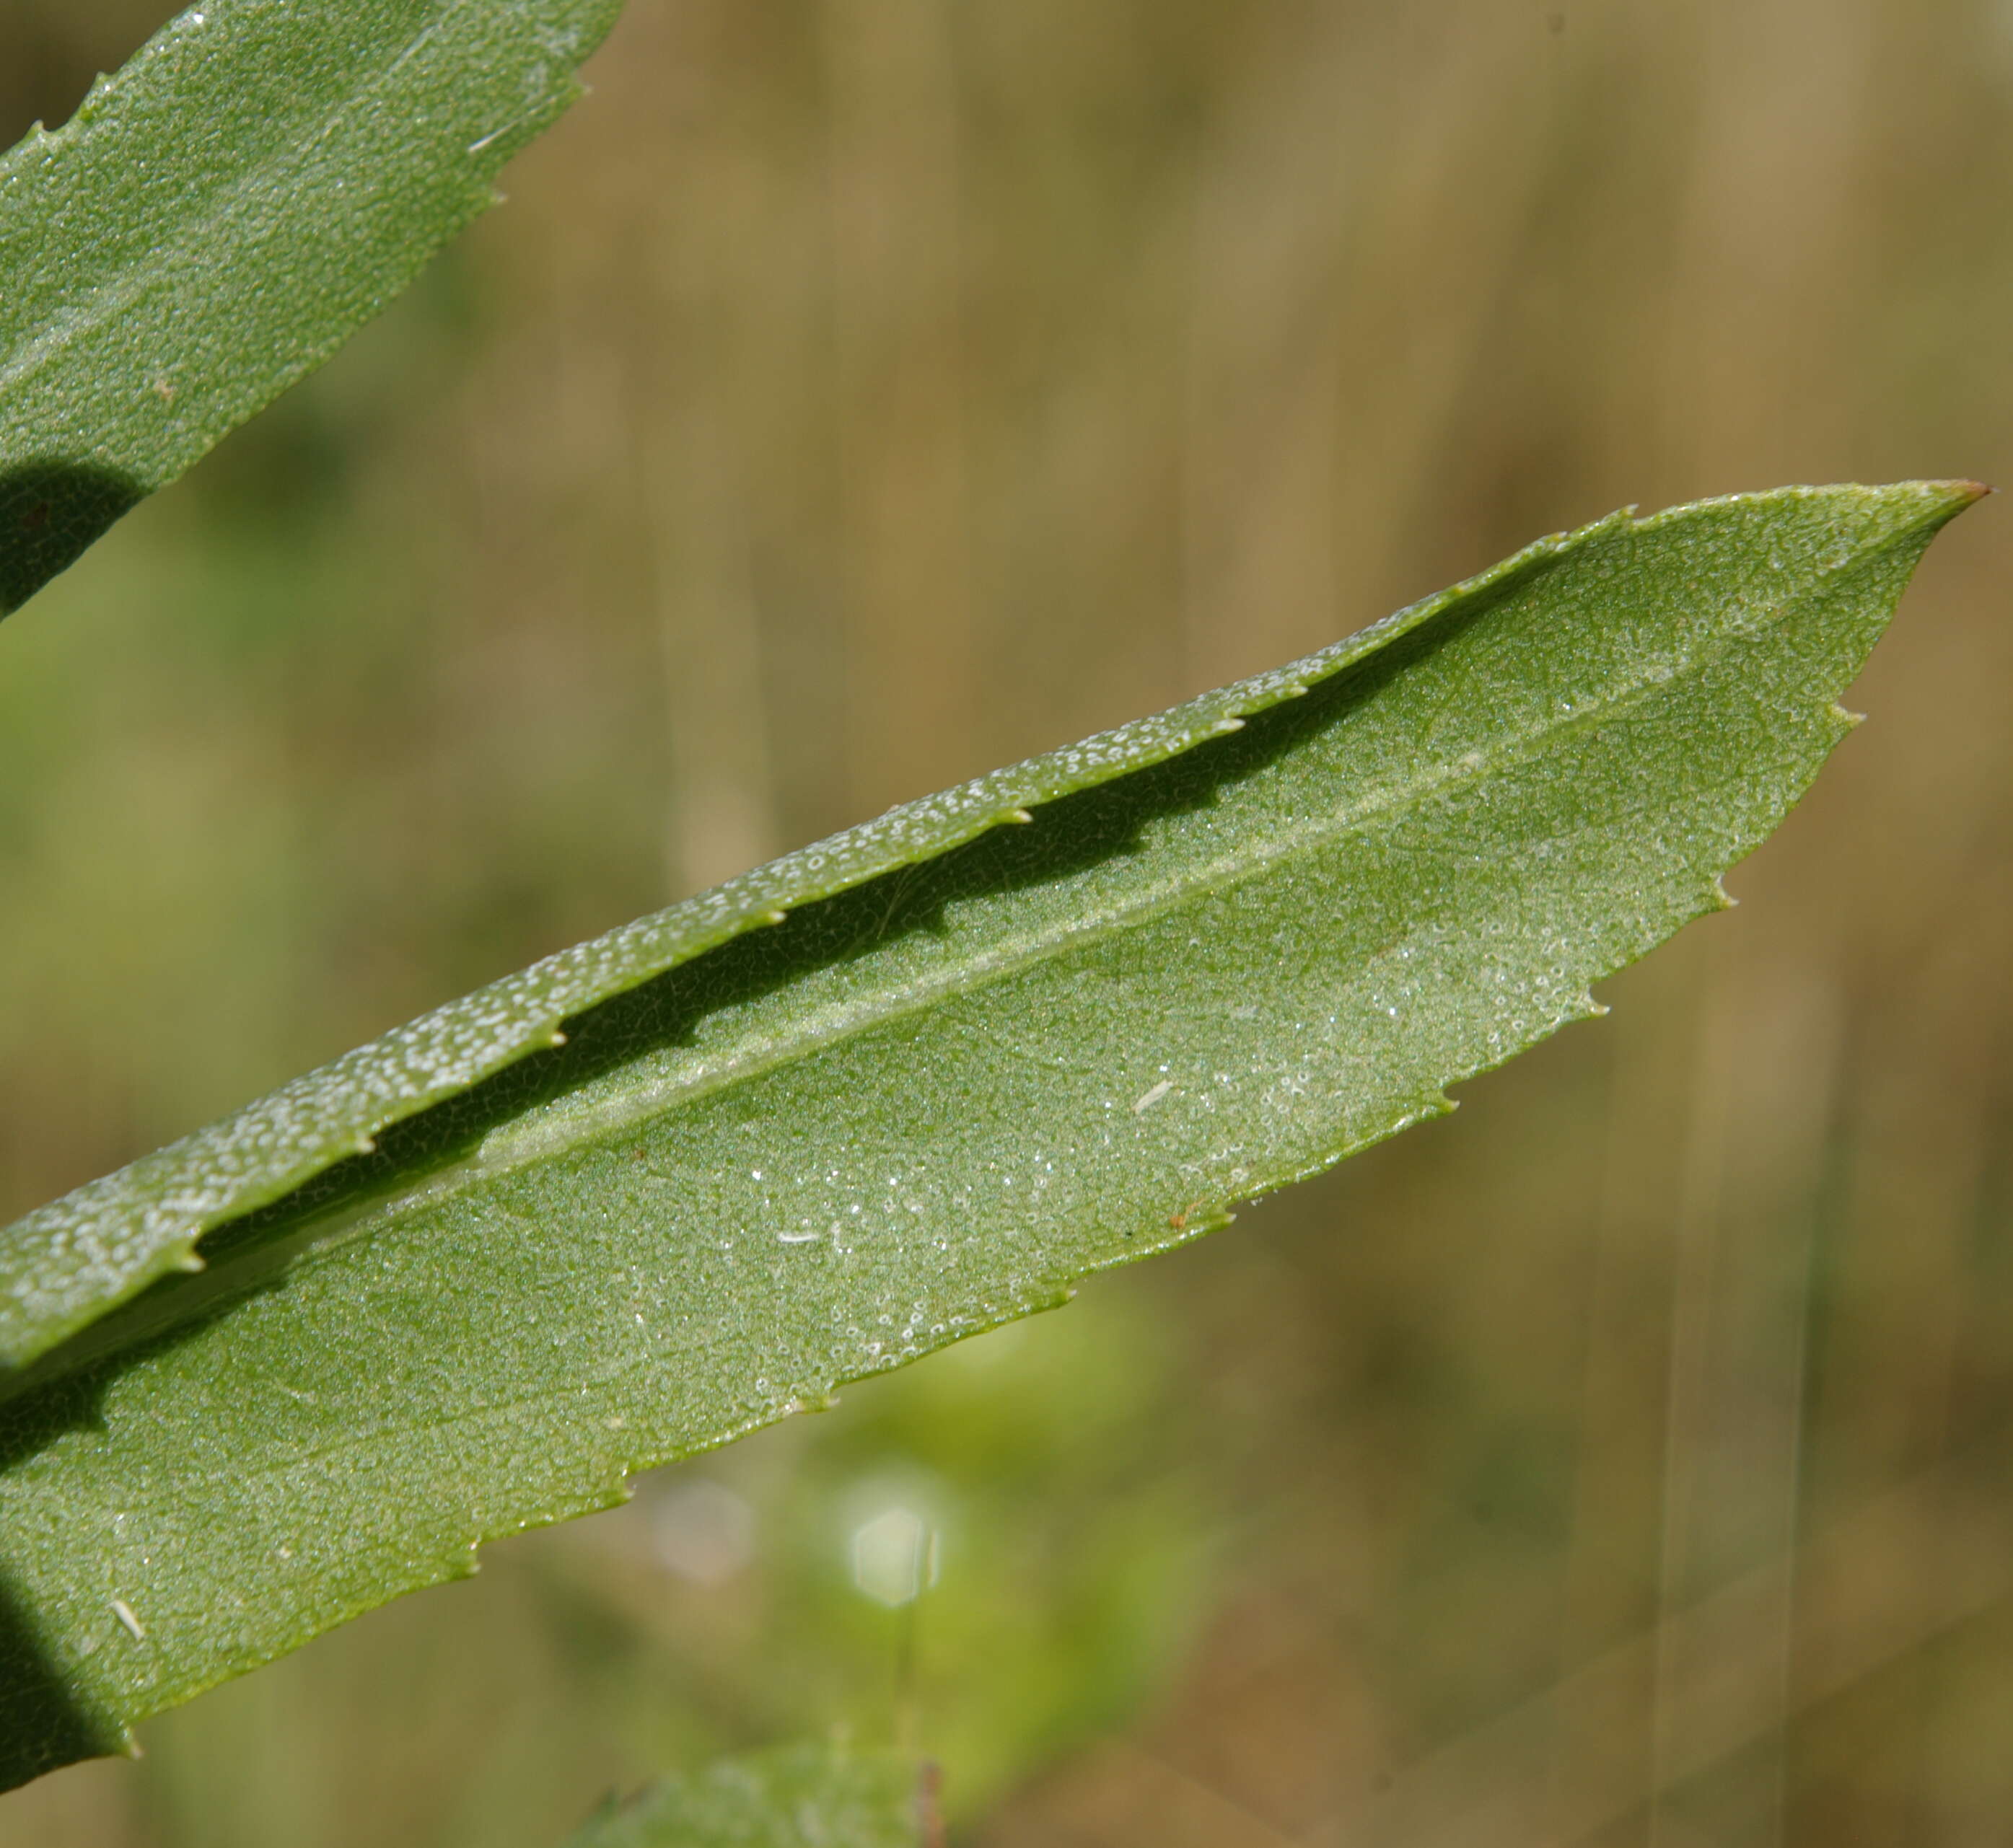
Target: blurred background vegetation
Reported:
point(858, 394)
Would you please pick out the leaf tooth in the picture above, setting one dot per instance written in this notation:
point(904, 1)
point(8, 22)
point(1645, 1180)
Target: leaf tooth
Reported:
point(1719, 898)
point(1231, 723)
point(615, 1494)
point(94, 98)
point(1845, 717)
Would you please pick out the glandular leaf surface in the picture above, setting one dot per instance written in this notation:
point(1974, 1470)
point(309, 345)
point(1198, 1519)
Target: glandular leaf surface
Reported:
point(888, 1092)
point(260, 180)
point(799, 1796)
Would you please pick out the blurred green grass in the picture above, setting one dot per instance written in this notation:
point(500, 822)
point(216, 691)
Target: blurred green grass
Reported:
point(857, 394)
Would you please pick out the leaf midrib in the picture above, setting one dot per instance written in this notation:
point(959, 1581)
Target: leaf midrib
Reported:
point(548, 1130)
point(551, 1130)
point(325, 1232)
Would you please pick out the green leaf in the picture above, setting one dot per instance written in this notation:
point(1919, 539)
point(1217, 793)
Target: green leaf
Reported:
point(803, 1796)
point(259, 181)
point(967, 1062)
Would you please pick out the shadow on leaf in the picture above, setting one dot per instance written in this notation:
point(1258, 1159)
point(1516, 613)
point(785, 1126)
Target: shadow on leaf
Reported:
point(252, 1254)
point(50, 513)
point(41, 1726)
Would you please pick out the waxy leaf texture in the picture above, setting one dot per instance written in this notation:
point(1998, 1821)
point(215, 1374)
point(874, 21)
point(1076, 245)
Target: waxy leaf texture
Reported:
point(887, 1093)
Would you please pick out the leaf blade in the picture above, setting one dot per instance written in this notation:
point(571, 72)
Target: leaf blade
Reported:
point(65, 1265)
point(261, 178)
point(933, 1100)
